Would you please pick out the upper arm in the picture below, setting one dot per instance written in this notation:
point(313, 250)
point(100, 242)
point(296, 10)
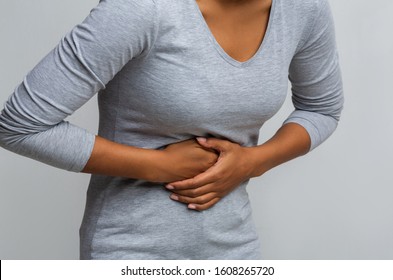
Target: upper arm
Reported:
point(314, 72)
point(80, 65)
point(86, 59)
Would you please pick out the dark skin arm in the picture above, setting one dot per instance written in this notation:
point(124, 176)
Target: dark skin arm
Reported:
point(178, 161)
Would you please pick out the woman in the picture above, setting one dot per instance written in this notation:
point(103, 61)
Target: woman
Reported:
point(183, 88)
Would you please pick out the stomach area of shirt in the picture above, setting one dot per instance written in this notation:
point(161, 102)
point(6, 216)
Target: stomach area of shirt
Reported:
point(138, 220)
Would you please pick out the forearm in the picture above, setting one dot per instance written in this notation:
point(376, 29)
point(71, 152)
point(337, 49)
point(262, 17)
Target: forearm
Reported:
point(114, 159)
point(289, 142)
point(177, 161)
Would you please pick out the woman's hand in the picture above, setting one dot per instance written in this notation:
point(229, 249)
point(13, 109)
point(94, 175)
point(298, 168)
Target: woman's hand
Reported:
point(183, 160)
point(237, 164)
point(234, 166)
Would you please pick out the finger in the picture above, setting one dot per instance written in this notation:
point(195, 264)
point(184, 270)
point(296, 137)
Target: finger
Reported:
point(194, 200)
point(195, 192)
point(209, 176)
point(207, 205)
point(213, 143)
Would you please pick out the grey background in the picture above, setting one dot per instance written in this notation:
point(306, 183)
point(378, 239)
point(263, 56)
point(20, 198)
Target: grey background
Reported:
point(334, 203)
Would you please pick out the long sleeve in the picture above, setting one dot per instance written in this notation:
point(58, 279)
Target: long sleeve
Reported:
point(317, 91)
point(85, 60)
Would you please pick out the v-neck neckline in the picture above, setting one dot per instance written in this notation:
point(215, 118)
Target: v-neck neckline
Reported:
point(221, 50)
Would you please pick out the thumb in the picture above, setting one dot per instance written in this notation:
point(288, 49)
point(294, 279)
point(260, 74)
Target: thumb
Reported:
point(212, 143)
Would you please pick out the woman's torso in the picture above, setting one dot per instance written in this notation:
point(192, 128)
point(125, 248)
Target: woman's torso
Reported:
point(186, 86)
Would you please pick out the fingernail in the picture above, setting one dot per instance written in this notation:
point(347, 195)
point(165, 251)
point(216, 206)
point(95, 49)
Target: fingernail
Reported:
point(191, 206)
point(170, 187)
point(201, 139)
point(174, 197)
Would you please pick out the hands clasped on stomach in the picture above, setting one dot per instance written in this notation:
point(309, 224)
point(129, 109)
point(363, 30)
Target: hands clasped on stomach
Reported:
point(203, 171)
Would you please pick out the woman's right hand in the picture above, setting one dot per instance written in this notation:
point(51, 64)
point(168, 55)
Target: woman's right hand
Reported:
point(183, 160)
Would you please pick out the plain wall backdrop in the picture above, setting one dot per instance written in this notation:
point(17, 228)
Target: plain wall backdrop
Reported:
point(334, 203)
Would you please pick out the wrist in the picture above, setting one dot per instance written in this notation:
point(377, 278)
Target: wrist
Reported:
point(155, 162)
point(261, 159)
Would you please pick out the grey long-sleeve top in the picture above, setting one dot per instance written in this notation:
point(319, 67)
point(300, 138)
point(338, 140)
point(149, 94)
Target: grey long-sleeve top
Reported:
point(162, 78)
point(187, 86)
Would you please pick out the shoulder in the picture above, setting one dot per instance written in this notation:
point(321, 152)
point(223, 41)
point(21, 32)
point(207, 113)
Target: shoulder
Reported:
point(305, 11)
point(127, 4)
point(129, 7)
point(307, 18)
point(127, 14)
point(307, 7)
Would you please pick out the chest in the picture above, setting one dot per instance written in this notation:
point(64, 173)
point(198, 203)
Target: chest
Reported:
point(190, 85)
point(201, 94)
point(239, 29)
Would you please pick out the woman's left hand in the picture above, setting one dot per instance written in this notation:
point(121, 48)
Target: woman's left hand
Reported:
point(234, 166)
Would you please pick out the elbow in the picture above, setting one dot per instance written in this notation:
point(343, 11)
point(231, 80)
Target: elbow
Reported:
point(14, 128)
point(10, 131)
point(19, 121)
point(336, 108)
point(334, 104)
point(331, 104)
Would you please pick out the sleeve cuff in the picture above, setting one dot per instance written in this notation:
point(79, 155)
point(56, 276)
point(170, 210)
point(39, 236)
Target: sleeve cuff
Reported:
point(318, 126)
